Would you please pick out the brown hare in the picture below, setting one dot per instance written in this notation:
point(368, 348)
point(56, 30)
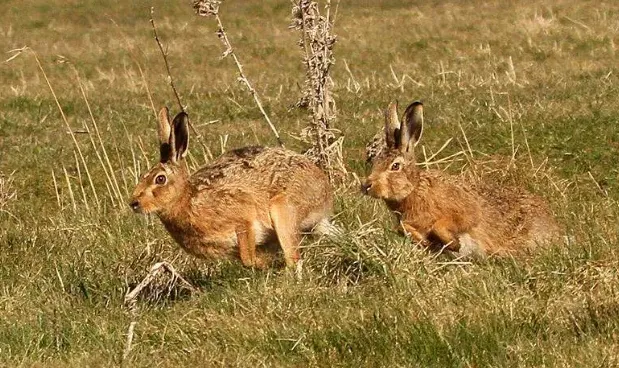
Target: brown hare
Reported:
point(442, 211)
point(246, 198)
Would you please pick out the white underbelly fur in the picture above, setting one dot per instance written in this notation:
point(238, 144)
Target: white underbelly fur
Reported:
point(261, 232)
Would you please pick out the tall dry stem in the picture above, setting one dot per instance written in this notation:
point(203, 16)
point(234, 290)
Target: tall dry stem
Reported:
point(317, 41)
point(68, 126)
point(107, 166)
point(206, 150)
point(210, 8)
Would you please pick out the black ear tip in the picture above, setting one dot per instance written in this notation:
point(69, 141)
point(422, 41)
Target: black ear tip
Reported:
point(181, 116)
point(414, 108)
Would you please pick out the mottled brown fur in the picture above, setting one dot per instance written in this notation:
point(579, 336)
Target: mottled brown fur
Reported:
point(238, 202)
point(437, 209)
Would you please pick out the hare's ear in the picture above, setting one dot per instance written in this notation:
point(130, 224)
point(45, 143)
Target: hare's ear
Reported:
point(392, 126)
point(166, 149)
point(181, 135)
point(412, 127)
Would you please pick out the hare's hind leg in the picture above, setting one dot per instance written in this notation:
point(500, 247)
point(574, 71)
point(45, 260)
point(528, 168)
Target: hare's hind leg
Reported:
point(284, 221)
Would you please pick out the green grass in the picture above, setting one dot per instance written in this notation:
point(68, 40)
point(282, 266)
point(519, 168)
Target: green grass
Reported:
point(545, 69)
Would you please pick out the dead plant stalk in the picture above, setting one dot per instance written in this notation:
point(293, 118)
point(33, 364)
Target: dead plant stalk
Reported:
point(68, 126)
point(317, 41)
point(164, 54)
point(207, 8)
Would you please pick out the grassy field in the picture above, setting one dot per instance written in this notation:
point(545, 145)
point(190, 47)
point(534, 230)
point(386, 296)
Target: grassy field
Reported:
point(533, 79)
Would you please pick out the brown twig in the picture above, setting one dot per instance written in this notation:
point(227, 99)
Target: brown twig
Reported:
point(137, 63)
point(211, 8)
point(165, 59)
point(172, 85)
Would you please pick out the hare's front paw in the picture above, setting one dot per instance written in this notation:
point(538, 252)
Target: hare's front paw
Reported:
point(414, 234)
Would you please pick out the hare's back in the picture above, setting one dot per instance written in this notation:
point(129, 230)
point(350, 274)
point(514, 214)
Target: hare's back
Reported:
point(259, 168)
point(526, 218)
point(238, 167)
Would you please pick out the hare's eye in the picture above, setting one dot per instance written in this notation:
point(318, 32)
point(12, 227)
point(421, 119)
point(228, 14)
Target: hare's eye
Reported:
point(395, 166)
point(160, 179)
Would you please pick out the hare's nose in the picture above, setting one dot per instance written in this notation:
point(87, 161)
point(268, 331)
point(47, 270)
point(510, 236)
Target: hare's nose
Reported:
point(365, 187)
point(135, 205)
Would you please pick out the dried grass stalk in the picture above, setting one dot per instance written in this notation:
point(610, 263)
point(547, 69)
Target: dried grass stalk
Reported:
point(206, 150)
point(129, 340)
point(7, 193)
point(210, 8)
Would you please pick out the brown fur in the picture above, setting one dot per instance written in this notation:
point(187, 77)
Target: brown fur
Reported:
point(237, 203)
point(437, 209)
